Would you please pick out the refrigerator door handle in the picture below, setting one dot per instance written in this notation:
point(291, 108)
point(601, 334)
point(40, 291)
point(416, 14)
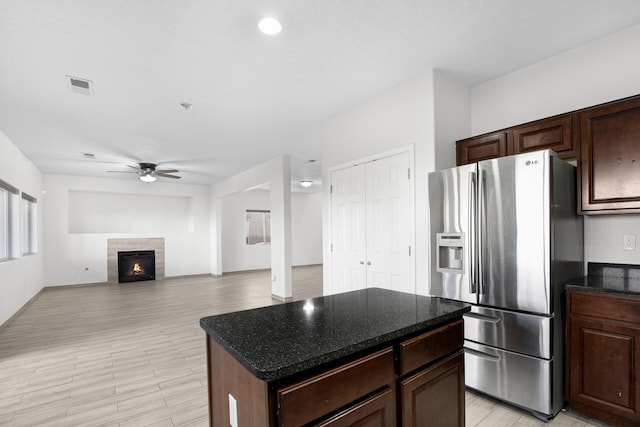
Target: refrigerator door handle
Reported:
point(472, 233)
point(479, 223)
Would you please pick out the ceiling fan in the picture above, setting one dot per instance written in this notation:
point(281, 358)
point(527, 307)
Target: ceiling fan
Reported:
point(147, 172)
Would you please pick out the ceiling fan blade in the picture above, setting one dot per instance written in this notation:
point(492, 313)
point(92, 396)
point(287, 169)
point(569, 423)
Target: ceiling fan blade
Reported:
point(122, 171)
point(167, 171)
point(165, 175)
point(134, 167)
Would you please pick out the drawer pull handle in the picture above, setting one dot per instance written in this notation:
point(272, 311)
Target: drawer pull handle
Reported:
point(482, 354)
point(619, 393)
point(483, 317)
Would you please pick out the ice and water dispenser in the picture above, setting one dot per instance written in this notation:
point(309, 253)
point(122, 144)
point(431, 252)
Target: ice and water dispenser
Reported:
point(450, 253)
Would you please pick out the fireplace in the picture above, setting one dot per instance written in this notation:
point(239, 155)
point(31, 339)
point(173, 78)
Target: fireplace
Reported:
point(135, 266)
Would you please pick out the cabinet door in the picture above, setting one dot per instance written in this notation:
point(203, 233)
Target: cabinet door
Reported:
point(482, 147)
point(603, 368)
point(435, 396)
point(553, 133)
point(376, 411)
point(610, 158)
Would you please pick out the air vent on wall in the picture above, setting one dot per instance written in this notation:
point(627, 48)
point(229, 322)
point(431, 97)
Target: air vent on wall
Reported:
point(81, 86)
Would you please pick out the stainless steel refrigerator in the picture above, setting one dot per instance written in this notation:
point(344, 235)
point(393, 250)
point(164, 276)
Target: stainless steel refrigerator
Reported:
point(505, 236)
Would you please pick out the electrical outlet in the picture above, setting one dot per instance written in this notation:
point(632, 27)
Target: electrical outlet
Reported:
point(233, 411)
point(629, 242)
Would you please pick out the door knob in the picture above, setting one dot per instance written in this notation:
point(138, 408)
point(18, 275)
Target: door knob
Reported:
point(361, 262)
point(619, 393)
point(368, 262)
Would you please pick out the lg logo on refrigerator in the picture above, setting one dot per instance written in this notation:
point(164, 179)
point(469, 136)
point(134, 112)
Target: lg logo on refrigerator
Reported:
point(531, 162)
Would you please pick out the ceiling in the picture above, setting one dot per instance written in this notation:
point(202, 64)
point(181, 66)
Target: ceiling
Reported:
point(253, 97)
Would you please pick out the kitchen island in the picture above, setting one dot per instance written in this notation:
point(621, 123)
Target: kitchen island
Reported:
point(375, 356)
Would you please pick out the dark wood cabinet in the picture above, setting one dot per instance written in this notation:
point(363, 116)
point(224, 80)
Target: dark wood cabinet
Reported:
point(482, 147)
point(415, 381)
point(610, 158)
point(554, 133)
point(376, 411)
point(603, 356)
point(558, 133)
point(315, 397)
point(605, 140)
point(426, 396)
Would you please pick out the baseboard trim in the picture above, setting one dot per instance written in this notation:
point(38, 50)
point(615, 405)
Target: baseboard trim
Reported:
point(20, 310)
point(256, 270)
point(281, 299)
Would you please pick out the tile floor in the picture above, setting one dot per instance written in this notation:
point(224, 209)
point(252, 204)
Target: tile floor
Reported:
point(134, 354)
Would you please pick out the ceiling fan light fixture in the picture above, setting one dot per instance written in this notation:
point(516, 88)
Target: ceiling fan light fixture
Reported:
point(306, 183)
point(147, 178)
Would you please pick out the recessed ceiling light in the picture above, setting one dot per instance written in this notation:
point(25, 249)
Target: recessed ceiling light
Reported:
point(306, 183)
point(270, 26)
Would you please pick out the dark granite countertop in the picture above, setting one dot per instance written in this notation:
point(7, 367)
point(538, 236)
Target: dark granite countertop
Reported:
point(280, 340)
point(621, 279)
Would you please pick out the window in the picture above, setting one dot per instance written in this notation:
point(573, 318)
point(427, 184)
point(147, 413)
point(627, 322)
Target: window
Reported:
point(7, 193)
point(29, 225)
point(258, 227)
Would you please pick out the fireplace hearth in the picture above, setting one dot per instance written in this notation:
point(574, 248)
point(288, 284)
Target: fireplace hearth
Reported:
point(136, 266)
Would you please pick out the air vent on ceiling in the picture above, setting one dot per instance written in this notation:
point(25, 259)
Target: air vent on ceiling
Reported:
point(89, 155)
point(81, 86)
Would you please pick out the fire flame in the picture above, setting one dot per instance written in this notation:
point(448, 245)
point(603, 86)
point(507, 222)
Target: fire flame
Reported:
point(137, 270)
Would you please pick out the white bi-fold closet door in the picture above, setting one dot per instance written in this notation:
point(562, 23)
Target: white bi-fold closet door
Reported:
point(372, 226)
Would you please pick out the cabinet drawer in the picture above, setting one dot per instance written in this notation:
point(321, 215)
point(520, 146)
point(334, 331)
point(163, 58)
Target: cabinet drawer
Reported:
point(430, 346)
point(518, 332)
point(378, 410)
point(322, 394)
point(605, 306)
point(486, 367)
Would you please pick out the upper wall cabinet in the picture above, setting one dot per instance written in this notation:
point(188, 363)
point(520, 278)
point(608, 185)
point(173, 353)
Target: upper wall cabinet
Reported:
point(555, 133)
point(609, 168)
point(605, 139)
point(482, 147)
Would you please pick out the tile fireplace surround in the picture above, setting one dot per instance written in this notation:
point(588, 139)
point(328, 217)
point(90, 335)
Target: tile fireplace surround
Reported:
point(147, 244)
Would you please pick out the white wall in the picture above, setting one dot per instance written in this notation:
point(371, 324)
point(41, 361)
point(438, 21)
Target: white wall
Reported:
point(306, 228)
point(74, 258)
point(22, 278)
point(276, 172)
point(398, 117)
point(452, 114)
point(594, 73)
point(306, 231)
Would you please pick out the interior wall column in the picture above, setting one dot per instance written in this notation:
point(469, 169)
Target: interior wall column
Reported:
point(281, 229)
point(216, 236)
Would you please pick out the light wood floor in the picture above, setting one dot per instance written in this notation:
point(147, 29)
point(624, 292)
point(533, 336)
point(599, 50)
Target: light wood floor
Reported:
point(134, 354)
